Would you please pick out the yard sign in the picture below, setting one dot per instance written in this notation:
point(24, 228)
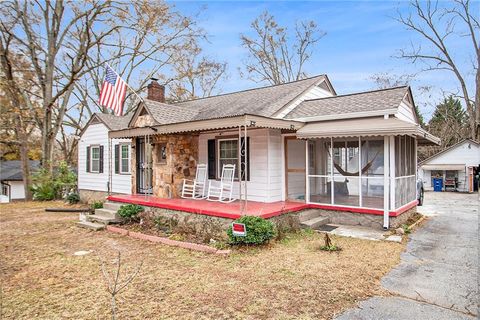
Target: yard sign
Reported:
point(239, 229)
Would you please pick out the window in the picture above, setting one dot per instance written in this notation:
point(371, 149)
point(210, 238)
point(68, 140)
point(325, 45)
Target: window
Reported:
point(227, 153)
point(95, 159)
point(125, 158)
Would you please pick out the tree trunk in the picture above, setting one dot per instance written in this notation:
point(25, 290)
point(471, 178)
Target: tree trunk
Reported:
point(476, 131)
point(25, 165)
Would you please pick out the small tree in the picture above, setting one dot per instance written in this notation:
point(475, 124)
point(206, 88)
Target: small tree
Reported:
point(114, 284)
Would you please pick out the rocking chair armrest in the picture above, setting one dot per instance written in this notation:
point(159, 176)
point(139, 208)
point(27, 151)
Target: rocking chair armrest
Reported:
point(185, 180)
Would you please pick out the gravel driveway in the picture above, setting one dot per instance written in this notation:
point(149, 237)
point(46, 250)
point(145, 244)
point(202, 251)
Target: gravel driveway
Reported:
point(437, 277)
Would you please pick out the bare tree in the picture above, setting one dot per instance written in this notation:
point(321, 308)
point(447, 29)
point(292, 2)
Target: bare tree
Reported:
point(195, 76)
point(55, 37)
point(436, 26)
point(272, 57)
point(114, 283)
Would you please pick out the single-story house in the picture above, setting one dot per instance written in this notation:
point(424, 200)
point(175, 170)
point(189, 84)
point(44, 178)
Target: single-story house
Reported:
point(295, 145)
point(457, 166)
point(11, 179)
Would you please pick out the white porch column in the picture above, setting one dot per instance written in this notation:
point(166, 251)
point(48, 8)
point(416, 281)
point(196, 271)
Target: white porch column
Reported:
point(386, 179)
point(392, 172)
point(307, 166)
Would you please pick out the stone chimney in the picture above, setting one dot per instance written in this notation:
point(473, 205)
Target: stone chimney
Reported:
point(156, 91)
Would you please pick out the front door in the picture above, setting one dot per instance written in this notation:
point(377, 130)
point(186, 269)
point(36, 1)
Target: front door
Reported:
point(295, 183)
point(144, 166)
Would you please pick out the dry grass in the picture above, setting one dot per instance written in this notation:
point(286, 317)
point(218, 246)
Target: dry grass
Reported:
point(293, 279)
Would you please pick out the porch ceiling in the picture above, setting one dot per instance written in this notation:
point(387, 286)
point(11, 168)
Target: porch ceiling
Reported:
point(365, 127)
point(211, 124)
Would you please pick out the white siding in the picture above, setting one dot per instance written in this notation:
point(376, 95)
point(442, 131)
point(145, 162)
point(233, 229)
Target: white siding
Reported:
point(406, 113)
point(315, 92)
point(265, 183)
point(17, 191)
point(97, 134)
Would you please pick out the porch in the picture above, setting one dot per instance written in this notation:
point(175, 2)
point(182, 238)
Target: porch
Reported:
point(231, 210)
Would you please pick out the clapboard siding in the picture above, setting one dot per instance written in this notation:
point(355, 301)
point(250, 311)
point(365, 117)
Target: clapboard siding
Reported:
point(406, 113)
point(264, 184)
point(97, 134)
point(17, 190)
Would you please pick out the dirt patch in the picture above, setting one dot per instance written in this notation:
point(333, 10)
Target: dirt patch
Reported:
point(289, 279)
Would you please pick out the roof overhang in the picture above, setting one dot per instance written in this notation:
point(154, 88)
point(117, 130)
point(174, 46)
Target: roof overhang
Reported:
point(210, 124)
point(366, 127)
point(455, 167)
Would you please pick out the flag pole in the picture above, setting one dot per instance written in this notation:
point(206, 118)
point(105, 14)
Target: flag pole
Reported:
point(135, 93)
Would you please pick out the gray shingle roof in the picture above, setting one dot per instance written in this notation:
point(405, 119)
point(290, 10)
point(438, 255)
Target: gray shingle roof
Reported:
point(115, 122)
point(12, 170)
point(265, 101)
point(357, 102)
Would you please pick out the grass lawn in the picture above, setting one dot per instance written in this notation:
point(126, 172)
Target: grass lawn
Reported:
point(41, 278)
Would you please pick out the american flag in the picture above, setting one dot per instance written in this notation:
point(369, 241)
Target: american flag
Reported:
point(113, 92)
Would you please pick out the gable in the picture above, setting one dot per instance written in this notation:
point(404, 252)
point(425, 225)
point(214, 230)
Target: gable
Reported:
point(465, 153)
point(141, 118)
point(406, 109)
point(322, 89)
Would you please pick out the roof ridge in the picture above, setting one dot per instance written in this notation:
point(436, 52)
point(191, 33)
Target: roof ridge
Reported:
point(356, 93)
point(251, 89)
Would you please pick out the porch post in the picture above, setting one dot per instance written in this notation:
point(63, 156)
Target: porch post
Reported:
point(245, 142)
point(392, 172)
point(307, 167)
point(360, 199)
point(386, 180)
point(332, 184)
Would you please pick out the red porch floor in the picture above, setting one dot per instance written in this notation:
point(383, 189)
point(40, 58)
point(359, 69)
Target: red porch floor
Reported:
point(217, 209)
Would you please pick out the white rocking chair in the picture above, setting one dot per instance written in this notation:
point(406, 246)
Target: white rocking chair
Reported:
point(195, 189)
point(224, 191)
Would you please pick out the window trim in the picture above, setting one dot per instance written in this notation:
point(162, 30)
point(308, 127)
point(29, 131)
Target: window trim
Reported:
point(217, 160)
point(94, 146)
point(120, 158)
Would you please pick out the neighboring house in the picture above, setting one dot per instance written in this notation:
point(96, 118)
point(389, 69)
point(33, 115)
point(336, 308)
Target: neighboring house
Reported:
point(457, 166)
point(298, 141)
point(94, 180)
point(11, 179)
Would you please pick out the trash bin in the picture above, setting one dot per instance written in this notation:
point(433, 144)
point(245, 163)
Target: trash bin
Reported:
point(437, 184)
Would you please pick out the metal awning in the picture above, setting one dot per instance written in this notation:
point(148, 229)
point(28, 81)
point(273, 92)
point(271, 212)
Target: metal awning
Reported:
point(454, 167)
point(210, 124)
point(366, 127)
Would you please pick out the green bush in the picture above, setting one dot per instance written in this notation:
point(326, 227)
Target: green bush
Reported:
point(129, 211)
point(258, 230)
point(96, 205)
point(48, 185)
point(72, 198)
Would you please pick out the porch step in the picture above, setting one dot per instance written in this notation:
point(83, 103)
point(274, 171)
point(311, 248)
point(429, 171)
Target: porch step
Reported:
point(309, 214)
point(108, 213)
point(91, 225)
point(102, 219)
point(315, 222)
point(112, 205)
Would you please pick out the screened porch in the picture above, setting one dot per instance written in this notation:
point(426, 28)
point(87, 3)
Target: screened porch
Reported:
point(362, 172)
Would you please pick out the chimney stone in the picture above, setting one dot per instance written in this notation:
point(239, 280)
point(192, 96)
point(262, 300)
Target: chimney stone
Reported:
point(156, 91)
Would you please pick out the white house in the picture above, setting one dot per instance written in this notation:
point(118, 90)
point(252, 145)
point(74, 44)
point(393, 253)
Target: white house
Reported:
point(95, 181)
point(457, 166)
point(11, 179)
point(299, 142)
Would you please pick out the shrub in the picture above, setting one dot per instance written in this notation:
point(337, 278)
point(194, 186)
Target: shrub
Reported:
point(258, 230)
point(96, 205)
point(72, 198)
point(58, 184)
point(129, 211)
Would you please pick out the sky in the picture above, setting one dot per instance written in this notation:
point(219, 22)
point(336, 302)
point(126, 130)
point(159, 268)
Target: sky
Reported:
point(362, 39)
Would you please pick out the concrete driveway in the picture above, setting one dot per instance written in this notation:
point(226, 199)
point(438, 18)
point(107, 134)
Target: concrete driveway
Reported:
point(437, 277)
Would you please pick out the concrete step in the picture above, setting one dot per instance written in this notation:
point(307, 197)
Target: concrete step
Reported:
point(91, 225)
point(315, 222)
point(112, 205)
point(108, 213)
point(309, 214)
point(102, 219)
